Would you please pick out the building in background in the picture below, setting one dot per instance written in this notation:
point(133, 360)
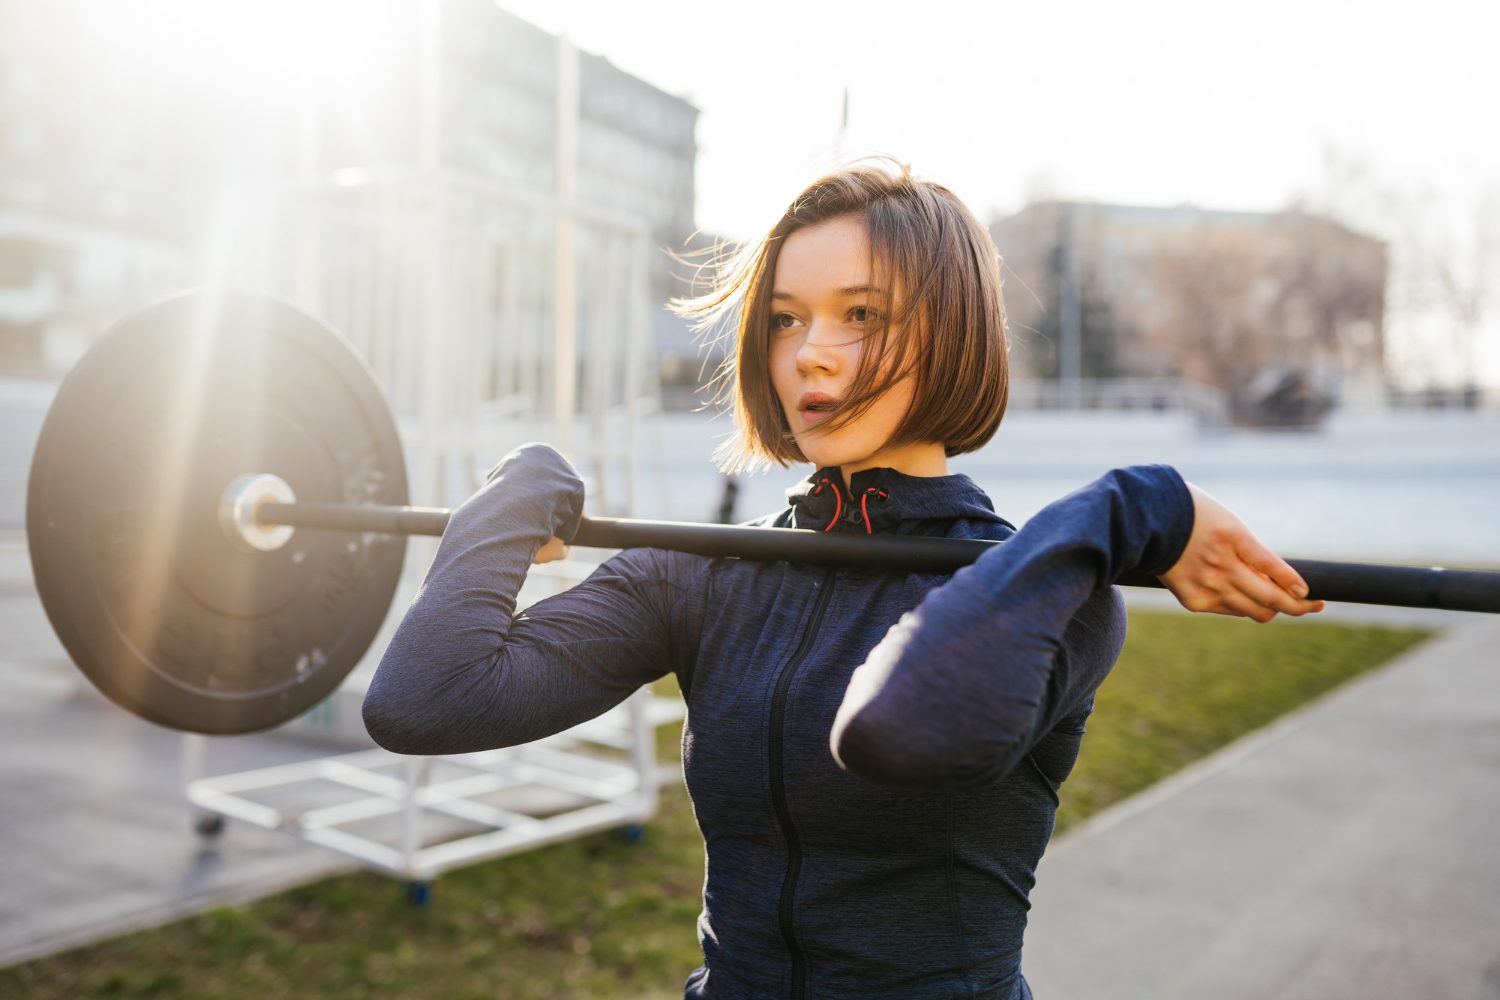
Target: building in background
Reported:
point(1280, 314)
point(489, 215)
point(96, 176)
point(135, 137)
point(485, 211)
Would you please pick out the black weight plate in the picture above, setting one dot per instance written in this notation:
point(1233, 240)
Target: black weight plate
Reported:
point(150, 598)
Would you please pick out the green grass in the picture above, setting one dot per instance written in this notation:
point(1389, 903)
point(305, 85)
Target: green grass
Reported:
point(1186, 685)
point(599, 917)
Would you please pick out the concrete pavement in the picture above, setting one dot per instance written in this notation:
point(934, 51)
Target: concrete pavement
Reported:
point(1349, 850)
point(96, 838)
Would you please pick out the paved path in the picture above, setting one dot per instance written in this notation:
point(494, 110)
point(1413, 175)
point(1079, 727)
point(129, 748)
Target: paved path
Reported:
point(97, 839)
point(1350, 850)
point(95, 835)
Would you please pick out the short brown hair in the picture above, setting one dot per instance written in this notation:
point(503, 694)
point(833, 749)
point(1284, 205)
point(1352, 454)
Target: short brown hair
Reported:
point(923, 241)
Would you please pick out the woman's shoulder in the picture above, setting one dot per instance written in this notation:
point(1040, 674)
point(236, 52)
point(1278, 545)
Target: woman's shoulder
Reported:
point(993, 528)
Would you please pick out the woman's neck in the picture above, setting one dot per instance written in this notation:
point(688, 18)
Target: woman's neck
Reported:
point(922, 459)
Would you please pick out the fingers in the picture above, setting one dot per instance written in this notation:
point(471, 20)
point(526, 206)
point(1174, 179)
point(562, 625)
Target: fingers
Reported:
point(1273, 566)
point(553, 550)
point(1249, 593)
point(1262, 590)
point(1237, 579)
point(1288, 593)
point(1259, 602)
point(1256, 596)
point(1227, 599)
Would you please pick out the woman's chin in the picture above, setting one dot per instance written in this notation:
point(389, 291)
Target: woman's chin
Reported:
point(817, 452)
point(829, 461)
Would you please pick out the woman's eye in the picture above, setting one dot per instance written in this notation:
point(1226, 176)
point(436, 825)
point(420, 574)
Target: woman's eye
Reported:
point(862, 314)
point(783, 321)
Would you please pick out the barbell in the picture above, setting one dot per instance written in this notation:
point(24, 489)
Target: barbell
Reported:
point(218, 497)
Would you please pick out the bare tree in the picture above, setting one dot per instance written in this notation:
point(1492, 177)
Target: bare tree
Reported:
point(1327, 305)
point(1467, 280)
point(1208, 283)
point(1445, 258)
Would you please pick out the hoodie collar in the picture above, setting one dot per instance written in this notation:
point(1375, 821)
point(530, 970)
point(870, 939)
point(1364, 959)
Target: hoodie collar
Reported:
point(878, 500)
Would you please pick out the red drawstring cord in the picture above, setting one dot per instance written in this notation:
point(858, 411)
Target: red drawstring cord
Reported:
point(863, 511)
point(838, 501)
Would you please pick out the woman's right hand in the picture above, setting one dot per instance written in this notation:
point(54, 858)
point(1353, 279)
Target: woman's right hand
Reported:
point(554, 550)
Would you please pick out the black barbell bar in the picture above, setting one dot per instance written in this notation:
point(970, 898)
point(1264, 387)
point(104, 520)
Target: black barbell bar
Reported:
point(1356, 583)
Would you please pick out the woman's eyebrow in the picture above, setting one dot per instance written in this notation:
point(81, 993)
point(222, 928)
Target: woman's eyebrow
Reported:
point(841, 292)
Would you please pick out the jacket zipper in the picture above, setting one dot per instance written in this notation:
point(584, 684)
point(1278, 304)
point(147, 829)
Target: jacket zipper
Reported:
point(778, 791)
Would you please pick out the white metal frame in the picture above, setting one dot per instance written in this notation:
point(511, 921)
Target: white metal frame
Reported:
point(608, 764)
point(462, 295)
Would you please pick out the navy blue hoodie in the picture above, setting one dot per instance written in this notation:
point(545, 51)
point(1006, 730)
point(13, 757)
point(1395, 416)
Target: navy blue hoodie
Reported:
point(873, 757)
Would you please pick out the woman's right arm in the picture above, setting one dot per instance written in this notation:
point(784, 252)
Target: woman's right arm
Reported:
point(464, 673)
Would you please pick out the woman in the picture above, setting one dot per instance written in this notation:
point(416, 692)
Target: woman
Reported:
point(873, 758)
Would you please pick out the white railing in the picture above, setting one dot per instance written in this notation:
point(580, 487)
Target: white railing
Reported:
point(1204, 402)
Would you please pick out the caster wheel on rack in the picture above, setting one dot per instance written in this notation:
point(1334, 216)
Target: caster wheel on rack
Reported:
point(419, 894)
point(208, 825)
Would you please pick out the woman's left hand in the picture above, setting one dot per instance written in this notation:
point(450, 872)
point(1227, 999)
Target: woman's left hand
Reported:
point(1225, 570)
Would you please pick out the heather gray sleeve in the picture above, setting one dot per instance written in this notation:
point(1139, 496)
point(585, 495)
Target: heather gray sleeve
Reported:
point(464, 673)
point(963, 686)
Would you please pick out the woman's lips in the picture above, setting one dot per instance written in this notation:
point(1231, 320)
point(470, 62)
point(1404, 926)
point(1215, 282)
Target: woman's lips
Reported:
point(815, 407)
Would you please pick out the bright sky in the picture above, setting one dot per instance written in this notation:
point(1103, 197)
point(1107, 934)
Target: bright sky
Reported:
point(1155, 102)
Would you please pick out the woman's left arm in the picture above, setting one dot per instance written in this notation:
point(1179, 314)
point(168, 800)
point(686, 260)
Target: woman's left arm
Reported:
point(964, 685)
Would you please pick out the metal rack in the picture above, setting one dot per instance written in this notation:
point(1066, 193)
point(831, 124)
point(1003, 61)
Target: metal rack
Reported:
point(416, 817)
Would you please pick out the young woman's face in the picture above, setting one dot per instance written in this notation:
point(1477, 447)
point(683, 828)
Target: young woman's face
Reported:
point(821, 304)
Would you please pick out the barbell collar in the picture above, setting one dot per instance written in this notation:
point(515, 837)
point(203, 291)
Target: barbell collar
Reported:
point(239, 507)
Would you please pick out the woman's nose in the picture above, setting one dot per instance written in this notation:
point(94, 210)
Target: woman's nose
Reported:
point(819, 349)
